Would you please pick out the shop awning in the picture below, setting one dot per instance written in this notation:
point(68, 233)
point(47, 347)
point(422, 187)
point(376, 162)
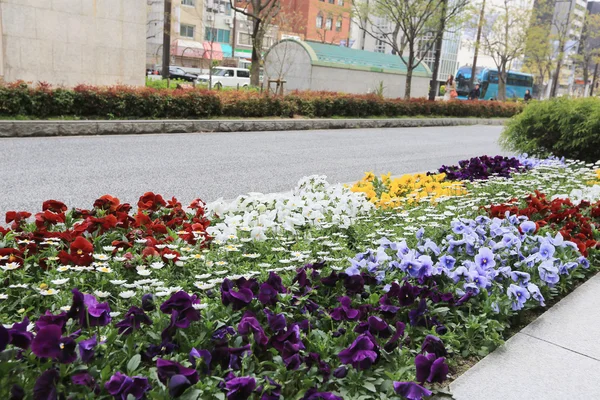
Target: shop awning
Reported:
point(216, 51)
point(187, 48)
point(227, 50)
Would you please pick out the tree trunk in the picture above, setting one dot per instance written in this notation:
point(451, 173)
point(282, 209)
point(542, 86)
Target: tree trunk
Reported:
point(556, 77)
point(502, 83)
point(166, 40)
point(477, 42)
point(594, 77)
point(409, 72)
point(256, 55)
point(433, 89)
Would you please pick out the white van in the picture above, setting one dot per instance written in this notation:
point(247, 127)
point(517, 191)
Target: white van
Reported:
point(227, 77)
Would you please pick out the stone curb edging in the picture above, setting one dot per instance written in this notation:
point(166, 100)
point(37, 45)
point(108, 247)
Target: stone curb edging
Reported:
point(125, 127)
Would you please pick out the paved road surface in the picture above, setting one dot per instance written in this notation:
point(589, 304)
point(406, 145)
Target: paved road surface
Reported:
point(78, 170)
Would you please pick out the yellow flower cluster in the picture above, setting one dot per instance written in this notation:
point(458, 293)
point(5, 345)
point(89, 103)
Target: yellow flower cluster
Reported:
point(597, 180)
point(386, 192)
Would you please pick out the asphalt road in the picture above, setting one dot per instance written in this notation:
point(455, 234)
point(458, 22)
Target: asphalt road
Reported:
point(77, 170)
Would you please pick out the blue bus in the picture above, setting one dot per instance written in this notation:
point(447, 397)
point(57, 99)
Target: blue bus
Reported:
point(487, 78)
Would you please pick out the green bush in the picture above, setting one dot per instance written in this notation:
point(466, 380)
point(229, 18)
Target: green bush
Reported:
point(84, 101)
point(564, 127)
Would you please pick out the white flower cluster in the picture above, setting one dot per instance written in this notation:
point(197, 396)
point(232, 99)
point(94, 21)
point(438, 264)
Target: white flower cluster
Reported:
point(313, 202)
point(587, 193)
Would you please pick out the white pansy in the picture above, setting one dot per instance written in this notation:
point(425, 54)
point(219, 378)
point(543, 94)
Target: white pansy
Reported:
point(60, 281)
point(127, 294)
point(118, 282)
point(10, 266)
point(49, 292)
point(157, 265)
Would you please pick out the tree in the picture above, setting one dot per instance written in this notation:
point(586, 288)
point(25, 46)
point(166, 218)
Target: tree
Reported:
point(421, 23)
point(504, 37)
point(539, 53)
point(589, 55)
point(560, 34)
point(261, 13)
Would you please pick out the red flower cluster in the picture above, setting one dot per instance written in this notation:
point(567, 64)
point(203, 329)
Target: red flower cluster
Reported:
point(574, 222)
point(154, 221)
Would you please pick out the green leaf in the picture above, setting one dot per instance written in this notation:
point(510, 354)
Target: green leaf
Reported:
point(191, 394)
point(370, 386)
point(134, 363)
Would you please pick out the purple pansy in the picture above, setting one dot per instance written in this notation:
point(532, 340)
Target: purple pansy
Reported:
point(395, 340)
point(86, 308)
point(345, 312)
point(411, 390)
point(238, 299)
point(19, 335)
point(122, 386)
point(313, 394)
point(431, 368)
point(178, 377)
point(361, 354)
point(181, 307)
point(518, 295)
point(45, 385)
point(250, 325)
point(49, 343)
point(86, 349)
point(485, 258)
point(434, 345)
point(50, 319)
point(132, 321)
point(240, 388)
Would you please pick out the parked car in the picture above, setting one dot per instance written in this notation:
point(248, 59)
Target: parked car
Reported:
point(178, 73)
point(227, 77)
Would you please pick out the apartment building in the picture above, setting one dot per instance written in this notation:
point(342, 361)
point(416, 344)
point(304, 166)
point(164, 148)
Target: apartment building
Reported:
point(325, 21)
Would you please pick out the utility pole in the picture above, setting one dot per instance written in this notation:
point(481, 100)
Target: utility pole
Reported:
point(234, 32)
point(477, 41)
point(166, 40)
point(433, 88)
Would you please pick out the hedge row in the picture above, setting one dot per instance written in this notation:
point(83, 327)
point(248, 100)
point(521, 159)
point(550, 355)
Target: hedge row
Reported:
point(564, 127)
point(43, 101)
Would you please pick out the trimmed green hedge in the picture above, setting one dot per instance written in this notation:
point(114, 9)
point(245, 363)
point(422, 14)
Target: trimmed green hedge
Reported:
point(564, 127)
point(19, 99)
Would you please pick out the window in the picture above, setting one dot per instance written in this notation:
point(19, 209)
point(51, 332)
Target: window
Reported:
point(191, 3)
point(245, 39)
point(319, 20)
point(331, 1)
point(340, 2)
point(217, 35)
point(243, 74)
point(329, 23)
point(379, 46)
point(338, 25)
point(186, 30)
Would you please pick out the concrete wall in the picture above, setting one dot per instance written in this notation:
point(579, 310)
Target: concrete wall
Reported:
point(68, 42)
point(289, 61)
point(361, 82)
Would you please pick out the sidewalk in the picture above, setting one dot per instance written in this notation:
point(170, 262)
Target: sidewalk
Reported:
point(556, 357)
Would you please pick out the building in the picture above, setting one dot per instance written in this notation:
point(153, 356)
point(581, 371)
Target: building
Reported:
point(73, 41)
point(565, 18)
point(187, 47)
point(325, 21)
point(371, 34)
point(307, 65)
point(201, 31)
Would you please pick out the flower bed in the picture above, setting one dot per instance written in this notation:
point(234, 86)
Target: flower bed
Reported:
point(313, 294)
point(84, 101)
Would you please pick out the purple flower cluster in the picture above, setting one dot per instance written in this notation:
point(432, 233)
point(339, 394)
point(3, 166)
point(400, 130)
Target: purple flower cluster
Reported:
point(482, 167)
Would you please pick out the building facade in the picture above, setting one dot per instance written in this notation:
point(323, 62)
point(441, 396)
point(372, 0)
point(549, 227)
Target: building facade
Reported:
point(372, 34)
point(325, 21)
point(70, 42)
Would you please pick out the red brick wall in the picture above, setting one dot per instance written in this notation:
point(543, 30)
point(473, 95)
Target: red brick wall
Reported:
point(309, 9)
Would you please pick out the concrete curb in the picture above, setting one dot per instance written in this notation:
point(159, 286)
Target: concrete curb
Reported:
point(127, 127)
